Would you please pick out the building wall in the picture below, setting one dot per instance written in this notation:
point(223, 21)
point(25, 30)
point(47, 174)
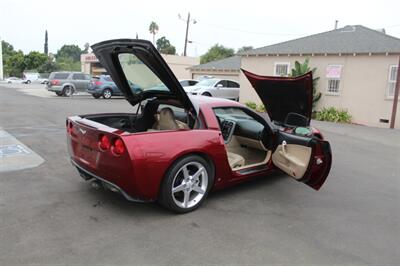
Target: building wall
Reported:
point(178, 64)
point(232, 75)
point(363, 83)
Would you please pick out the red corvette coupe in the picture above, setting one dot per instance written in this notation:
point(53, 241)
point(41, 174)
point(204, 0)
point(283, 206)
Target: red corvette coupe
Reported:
point(175, 149)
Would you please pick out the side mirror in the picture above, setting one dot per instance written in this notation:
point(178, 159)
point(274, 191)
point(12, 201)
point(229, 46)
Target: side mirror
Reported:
point(219, 86)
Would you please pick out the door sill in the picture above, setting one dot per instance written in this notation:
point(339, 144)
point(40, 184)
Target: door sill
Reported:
point(252, 170)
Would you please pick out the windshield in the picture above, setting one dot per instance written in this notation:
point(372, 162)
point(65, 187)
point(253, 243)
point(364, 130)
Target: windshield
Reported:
point(207, 82)
point(139, 76)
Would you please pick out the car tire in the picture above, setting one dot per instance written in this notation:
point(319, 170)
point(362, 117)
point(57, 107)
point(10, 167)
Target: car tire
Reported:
point(96, 96)
point(183, 190)
point(67, 91)
point(58, 93)
point(107, 94)
point(28, 82)
point(206, 94)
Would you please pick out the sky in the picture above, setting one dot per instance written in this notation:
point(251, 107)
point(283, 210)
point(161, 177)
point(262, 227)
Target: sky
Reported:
point(231, 23)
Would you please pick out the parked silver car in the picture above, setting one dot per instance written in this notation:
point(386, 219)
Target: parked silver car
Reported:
point(67, 83)
point(221, 88)
point(188, 82)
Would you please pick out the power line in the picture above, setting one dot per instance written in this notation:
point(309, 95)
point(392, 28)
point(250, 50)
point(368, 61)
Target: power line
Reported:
point(251, 32)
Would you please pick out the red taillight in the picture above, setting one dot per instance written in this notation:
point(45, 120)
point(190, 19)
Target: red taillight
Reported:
point(104, 142)
point(55, 82)
point(69, 126)
point(118, 147)
point(97, 83)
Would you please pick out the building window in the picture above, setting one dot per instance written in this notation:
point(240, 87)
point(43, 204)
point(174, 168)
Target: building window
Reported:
point(392, 81)
point(281, 69)
point(333, 86)
point(333, 74)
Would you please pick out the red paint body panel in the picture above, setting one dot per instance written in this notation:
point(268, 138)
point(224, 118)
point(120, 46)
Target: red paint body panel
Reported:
point(140, 170)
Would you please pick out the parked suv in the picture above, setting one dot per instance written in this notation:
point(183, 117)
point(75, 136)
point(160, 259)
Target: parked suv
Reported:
point(103, 86)
point(67, 83)
point(221, 88)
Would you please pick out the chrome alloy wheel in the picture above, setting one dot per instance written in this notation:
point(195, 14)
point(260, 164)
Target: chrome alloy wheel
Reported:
point(107, 94)
point(189, 185)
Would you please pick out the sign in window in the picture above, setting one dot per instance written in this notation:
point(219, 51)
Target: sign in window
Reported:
point(333, 75)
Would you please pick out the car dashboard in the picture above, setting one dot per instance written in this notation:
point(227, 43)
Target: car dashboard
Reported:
point(236, 125)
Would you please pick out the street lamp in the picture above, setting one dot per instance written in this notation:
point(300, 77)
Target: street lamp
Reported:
point(188, 20)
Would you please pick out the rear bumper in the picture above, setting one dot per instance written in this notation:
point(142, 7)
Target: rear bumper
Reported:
point(94, 90)
point(55, 88)
point(87, 175)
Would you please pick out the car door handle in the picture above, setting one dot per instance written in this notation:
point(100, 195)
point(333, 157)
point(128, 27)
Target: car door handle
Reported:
point(288, 157)
point(284, 147)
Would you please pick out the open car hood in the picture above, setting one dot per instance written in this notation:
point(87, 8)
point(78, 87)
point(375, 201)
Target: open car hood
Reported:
point(147, 56)
point(283, 95)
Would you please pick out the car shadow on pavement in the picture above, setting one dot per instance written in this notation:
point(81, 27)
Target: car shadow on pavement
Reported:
point(117, 204)
point(258, 183)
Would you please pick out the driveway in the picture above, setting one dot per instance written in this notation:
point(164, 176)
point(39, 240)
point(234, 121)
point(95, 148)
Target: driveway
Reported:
point(49, 215)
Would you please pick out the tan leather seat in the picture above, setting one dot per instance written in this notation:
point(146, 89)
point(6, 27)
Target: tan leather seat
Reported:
point(235, 160)
point(166, 120)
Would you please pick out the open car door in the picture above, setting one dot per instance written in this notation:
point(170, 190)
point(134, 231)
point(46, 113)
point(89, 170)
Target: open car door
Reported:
point(306, 159)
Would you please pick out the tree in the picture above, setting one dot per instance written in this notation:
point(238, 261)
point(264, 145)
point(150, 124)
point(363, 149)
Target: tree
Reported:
point(86, 50)
point(153, 29)
point(8, 50)
point(69, 51)
point(216, 52)
point(48, 66)
point(68, 64)
point(165, 47)
point(46, 44)
point(15, 64)
point(303, 68)
point(244, 49)
point(34, 60)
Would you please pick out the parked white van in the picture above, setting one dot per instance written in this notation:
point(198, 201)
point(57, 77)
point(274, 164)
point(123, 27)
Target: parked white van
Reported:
point(28, 77)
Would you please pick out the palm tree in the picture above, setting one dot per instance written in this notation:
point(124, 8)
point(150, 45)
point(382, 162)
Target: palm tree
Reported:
point(153, 28)
point(303, 68)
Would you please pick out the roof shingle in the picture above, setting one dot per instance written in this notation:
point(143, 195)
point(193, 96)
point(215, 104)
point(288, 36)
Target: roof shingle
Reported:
point(346, 40)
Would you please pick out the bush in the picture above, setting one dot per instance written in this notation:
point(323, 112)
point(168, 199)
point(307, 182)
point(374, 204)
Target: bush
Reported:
point(251, 105)
point(332, 114)
point(259, 108)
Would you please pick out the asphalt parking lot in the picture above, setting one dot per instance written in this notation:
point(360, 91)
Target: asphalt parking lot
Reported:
point(49, 215)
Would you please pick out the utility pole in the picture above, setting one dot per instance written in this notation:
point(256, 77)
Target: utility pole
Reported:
point(186, 35)
point(395, 97)
point(1, 60)
point(336, 23)
point(188, 20)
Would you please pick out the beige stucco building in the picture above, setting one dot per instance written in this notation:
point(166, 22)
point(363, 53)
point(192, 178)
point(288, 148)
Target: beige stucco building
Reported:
point(357, 68)
point(179, 65)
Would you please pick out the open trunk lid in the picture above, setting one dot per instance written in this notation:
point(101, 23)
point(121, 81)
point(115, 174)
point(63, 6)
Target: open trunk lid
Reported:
point(139, 71)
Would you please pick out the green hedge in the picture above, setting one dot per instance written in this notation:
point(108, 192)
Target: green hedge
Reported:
point(332, 114)
point(252, 105)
